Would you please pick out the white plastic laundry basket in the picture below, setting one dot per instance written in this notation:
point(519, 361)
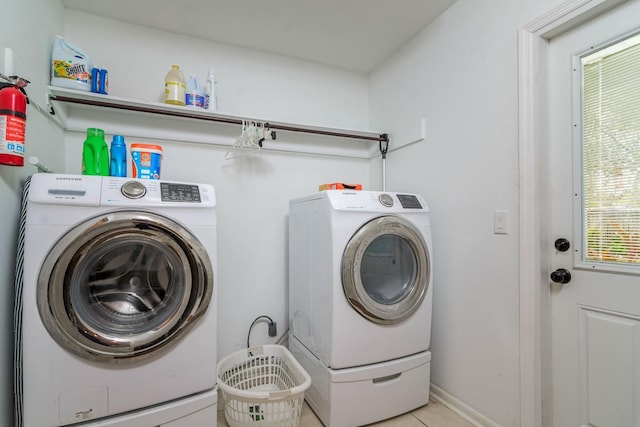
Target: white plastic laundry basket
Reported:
point(262, 387)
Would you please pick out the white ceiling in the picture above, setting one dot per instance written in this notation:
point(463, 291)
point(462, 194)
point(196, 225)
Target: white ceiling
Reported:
point(356, 35)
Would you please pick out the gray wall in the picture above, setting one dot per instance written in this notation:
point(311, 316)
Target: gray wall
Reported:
point(460, 74)
point(30, 40)
point(253, 192)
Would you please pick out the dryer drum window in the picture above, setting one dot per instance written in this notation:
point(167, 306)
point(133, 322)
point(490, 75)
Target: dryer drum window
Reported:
point(385, 270)
point(124, 286)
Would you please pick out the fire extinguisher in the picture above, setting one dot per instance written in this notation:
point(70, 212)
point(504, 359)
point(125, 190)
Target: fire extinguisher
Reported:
point(13, 120)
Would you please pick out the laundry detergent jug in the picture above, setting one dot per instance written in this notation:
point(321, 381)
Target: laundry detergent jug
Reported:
point(70, 66)
point(95, 153)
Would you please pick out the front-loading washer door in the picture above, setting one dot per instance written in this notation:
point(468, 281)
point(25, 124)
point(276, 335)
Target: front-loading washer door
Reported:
point(124, 286)
point(385, 270)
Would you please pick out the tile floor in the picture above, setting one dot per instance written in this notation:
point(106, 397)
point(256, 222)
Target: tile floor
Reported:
point(432, 415)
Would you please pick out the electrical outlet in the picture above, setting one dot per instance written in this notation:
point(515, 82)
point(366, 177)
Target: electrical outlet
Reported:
point(273, 329)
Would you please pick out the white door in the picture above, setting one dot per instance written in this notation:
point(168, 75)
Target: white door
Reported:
point(595, 317)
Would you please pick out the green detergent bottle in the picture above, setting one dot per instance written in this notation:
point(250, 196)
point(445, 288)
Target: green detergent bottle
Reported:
point(95, 153)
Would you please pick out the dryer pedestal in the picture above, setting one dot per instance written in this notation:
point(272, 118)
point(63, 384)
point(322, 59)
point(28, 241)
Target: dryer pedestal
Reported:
point(365, 394)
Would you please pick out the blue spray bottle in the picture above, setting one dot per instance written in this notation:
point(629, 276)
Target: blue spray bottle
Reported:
point(118, 165)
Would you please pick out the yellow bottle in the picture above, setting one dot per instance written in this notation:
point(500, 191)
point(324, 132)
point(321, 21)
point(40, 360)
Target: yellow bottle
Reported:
point(174, 86)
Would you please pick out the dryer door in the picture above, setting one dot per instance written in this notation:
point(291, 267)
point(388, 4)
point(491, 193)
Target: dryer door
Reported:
point(123, 286)
point(385, 270)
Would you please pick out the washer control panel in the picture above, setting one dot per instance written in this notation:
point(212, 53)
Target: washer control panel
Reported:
point(93, 190)
point(171, 192)
point(118, 191)
point(133, 189)
point(176, 192)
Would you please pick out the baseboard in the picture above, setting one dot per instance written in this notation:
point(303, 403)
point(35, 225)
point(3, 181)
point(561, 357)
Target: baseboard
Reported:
point(461, 408)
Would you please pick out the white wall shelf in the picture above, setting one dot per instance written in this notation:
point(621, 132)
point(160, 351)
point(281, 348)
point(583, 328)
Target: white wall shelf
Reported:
point(78, 110)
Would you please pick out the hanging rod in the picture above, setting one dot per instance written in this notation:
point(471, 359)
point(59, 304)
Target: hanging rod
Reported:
point(61, 98)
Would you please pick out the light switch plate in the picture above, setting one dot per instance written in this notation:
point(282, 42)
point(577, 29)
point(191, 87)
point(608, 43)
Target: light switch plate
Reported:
point(500, 222)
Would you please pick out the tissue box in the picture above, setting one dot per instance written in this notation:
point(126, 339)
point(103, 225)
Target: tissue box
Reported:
point(340, 186)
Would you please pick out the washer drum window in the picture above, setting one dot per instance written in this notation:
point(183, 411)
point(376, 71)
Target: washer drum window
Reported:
point(124, 286)
point(385, 270)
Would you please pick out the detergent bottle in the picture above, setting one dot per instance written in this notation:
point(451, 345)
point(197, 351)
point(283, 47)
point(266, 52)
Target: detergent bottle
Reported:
point(118, 165)
point(95, 153)
point(174, 86)
point(194, 94)
point(70, 66)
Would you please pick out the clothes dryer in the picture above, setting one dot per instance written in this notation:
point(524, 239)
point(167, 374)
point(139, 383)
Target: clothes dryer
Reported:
point(118, 303)
point(360, 301)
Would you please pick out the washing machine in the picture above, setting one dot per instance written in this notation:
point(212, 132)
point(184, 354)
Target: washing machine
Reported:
point(360, 302)
point(117, 310)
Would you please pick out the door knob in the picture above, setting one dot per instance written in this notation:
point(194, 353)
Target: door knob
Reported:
point(562, 244)
point(561, 275)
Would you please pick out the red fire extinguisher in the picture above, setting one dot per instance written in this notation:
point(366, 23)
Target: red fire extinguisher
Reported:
point(13, 121)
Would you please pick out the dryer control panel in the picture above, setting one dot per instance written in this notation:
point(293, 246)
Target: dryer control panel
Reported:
point(375, 201)
point(409, 201)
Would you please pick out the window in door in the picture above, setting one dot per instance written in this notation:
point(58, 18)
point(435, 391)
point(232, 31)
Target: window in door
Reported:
point(610, 137)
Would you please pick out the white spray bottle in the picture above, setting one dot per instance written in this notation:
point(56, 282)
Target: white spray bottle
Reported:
point(211, 100)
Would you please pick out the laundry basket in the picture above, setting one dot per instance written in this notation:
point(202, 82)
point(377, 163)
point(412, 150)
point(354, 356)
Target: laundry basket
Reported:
point(262, 387)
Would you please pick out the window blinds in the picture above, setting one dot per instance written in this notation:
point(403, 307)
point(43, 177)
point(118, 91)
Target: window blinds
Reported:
point(611, 154)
